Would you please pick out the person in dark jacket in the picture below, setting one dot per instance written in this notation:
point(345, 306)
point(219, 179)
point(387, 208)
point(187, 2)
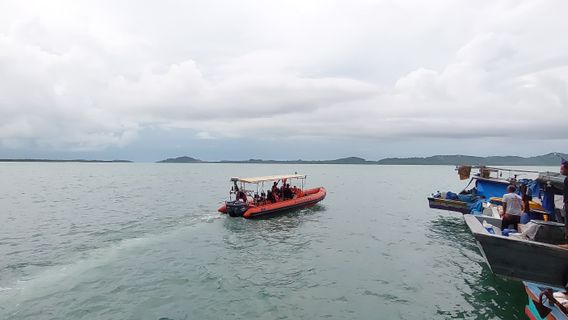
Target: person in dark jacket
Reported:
point(564, 172)
point(241, 195)
point(287, 192)
point(270, 196)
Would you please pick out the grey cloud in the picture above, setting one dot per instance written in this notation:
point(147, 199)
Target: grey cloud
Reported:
point(271, 71)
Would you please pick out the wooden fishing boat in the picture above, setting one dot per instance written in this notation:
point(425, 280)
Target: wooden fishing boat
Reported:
point(542, 257)
point(483, 198)
point(545, 302)
point(487, 183)
point(249, 199)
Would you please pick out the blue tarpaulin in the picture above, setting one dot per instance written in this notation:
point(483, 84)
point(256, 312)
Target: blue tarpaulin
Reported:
point(548, 201)
point(476, 206)
point(488, 188)
point(467, 197)
point(532, 185)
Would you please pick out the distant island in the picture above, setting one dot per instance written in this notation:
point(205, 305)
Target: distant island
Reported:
point(183, 159)
point(550, 159)
point(63, 160)
point(349, 160)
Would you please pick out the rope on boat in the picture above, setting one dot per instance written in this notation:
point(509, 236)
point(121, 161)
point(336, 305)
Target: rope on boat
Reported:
point(548, 293)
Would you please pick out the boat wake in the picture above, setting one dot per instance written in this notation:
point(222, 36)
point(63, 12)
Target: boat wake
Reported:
point(63, 278)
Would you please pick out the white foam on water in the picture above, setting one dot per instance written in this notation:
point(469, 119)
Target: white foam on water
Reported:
point(61, 277)
point(64, 277)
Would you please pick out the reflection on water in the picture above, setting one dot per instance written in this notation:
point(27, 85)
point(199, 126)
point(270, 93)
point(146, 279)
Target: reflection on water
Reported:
point(450, 229)
point(277, 231)
point(273, 222)
point(492, 295)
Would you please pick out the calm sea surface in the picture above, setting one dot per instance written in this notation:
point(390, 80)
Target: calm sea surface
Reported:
point(144, 241)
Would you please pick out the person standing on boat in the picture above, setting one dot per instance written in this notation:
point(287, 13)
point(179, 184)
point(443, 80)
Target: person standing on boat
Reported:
point(564, 172)
point(526, 196)
point(275, 190)
point(512, 208)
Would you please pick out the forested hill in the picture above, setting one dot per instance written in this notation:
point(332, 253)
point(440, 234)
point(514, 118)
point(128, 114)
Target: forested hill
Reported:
point(550, 159)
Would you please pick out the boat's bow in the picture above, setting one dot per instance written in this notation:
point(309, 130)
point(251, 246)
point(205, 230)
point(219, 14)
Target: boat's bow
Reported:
point(521, 259)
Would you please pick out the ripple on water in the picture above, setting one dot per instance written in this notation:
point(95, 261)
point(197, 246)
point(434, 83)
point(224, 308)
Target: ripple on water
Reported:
point(144, 241)
point(482, 291)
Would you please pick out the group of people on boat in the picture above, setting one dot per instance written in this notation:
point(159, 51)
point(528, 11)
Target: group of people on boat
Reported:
point(544, 303)
point(275, 194)
point(516, 206)
point(284, 192)
point(506, 222)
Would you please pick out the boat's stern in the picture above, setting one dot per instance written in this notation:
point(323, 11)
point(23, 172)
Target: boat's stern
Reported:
point(236, 208)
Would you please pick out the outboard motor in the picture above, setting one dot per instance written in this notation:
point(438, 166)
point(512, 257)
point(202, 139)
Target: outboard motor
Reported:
point(236, 208)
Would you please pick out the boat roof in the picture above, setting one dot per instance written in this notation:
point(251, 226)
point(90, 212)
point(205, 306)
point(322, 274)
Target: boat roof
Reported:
point(269, 178)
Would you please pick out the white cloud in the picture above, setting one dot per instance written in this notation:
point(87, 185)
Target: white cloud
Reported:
point(92, 76)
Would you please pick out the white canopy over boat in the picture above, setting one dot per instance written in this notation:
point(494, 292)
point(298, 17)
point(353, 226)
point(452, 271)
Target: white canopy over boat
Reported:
point(269, 178)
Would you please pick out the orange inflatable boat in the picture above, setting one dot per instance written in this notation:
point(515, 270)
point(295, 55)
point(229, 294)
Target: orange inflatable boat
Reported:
point(248, 198)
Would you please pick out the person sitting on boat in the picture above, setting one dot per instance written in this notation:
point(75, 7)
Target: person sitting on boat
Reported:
point(270, 196)
point(512, 208)
point(287, 192)
point(281, 190)
point(242, 196)
point(275, 187)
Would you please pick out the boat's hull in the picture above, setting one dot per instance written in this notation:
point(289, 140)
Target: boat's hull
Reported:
point(448, 205)
point(521, 259)
point(484, 188)
point(462, 207)
point(309, 198)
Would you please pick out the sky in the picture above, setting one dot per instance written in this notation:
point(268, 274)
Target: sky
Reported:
point(233, 80)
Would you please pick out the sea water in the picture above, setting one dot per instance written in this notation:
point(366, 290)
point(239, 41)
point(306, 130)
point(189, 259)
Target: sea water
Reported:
point(144, 241)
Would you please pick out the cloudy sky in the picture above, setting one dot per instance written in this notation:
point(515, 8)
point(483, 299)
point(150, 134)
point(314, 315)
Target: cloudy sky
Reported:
point(145, 80)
